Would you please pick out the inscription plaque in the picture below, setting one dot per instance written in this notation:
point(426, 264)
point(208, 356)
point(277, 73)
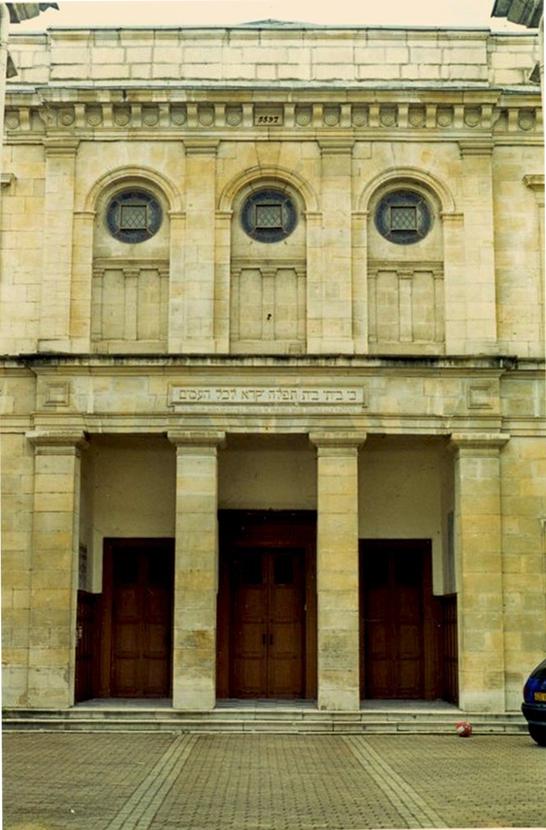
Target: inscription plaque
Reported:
point(270, 398)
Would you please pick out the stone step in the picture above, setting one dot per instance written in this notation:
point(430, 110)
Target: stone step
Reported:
point(281, 721)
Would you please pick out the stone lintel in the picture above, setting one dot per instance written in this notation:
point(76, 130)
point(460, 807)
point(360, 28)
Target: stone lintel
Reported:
point(337, 440)
point(479, 441)
point(197, 439)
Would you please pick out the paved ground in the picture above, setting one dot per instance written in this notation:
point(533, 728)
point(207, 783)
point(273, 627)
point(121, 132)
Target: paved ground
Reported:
point(123, 781)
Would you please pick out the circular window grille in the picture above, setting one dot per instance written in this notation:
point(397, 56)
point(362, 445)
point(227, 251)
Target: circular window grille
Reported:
point(403, 217)
point(269, 215)
point(133, 216)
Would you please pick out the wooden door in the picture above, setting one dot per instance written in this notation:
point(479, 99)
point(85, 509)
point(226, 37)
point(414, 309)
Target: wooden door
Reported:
point(139, 622)
point(267, 624)
point(399, 622)
point(87, 644)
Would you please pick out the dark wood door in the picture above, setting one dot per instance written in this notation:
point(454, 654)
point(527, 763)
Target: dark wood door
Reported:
point(398, 621)
point(141, 618)
point(267, 624)
point(87, 644)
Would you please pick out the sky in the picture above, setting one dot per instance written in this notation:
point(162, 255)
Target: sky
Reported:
point(219, 12)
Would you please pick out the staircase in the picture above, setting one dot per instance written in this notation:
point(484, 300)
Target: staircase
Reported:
point(288, 717)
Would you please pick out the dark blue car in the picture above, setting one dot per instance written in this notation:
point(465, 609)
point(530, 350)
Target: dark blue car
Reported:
point(534, 704)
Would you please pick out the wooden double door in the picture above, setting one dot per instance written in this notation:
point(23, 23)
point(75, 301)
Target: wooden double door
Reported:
point(401, 622)
point(136, 648)
point(267, 605)
point(267, 624)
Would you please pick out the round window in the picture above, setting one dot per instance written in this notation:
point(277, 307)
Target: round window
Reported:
point(403, 217)
point(269, 215)
point(133, 216)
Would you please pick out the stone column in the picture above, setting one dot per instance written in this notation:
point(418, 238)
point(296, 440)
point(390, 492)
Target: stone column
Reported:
point(199, 247)
point(337, 570)
point(54, 568)
point(479, 571)
point(57, 264)
point(196, 569)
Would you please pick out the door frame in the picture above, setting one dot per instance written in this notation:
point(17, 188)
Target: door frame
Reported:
point(273, 530)
point(105, 657)
point(433, 669)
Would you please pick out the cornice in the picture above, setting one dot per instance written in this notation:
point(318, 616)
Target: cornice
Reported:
point(78, 363)
point(339, 115)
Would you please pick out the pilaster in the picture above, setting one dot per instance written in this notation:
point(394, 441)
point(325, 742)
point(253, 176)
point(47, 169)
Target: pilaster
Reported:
point(60, 158)
point(479, 570)
point(360, 281)
point(177, 286)
point(334, 295)
point(54, 568)
point(197, 306)
point(337, 570)
point(479, 289)
point(196, 569)
point(536, 184)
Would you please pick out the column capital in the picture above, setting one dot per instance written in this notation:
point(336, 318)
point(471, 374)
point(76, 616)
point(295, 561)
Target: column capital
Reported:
point(332, 145)
point(58, 440)
point(60, 146)
point(338, 440)
point(479, 441)
point(196, 439)
point(476, 147)
point(201, 146)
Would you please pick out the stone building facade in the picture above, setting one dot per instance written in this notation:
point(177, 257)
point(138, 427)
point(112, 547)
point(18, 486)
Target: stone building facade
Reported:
point(272, 375)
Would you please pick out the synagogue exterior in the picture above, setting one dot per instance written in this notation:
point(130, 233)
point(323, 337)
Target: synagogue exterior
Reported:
point(272, 373)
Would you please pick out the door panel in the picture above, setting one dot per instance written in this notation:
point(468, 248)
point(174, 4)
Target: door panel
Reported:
point(267, 624)
point(285, 664)
point(139, 618)
point(249, 624)
point(393, 607)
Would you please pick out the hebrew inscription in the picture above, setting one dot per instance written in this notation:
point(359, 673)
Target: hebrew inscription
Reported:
point(274, 398)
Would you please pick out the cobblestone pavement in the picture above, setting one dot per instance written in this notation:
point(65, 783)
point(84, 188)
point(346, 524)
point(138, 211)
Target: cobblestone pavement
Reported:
point(135, 781)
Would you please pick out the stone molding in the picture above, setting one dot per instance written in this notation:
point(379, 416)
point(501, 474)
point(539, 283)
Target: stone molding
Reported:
point(535, 182)
point(338, 440)
point(58, 440)
point(61, 146)
point(200, 147)
point(197, 439)
point(7, 180)
point(478, 443)
point(483, 112)
point(476, 147)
